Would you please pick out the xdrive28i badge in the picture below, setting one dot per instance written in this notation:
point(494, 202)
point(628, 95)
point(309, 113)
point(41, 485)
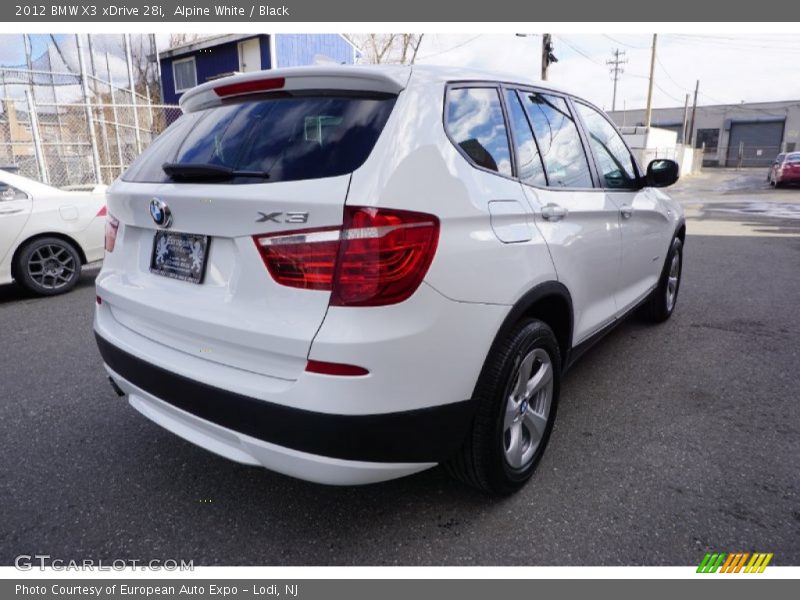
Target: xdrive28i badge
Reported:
point(160, 213)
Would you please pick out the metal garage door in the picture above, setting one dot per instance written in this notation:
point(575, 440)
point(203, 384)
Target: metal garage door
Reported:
point(758, 142)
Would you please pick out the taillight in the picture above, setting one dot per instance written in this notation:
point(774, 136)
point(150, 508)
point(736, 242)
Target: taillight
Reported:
point(383, 257)
point(112, 225)
point(378, 257)
point(102, 212)
point(302, 259)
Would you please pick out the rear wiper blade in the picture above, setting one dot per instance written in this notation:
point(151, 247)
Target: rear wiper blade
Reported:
point(206, 172)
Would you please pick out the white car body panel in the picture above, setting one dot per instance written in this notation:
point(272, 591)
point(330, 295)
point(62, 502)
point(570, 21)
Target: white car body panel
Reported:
point(46, 211)
point(586, 249)
point(242, 333)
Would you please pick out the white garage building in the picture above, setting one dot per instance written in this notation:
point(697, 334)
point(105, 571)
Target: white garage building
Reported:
point(747, 135)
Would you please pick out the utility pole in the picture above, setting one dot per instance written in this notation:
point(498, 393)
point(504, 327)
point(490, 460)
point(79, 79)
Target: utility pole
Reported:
point(548, 57)
point(98, 175)
point(685, 119)
point(134, 103)
point(694, 110)
point(649, 114)
point(616, 70)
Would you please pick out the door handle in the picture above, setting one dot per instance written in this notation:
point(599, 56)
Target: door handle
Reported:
point(10, 211)
point(553, 212)
point(626, 211)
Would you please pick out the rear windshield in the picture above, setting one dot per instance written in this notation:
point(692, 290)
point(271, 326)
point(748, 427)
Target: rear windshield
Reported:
point(793, 157)
point(288, 138)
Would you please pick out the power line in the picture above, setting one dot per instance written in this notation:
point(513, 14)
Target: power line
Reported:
point(734, 43)
point(616, 41)
point(579, 51)
point(456, 47)
point(663, 68)
point(747, 108)
point(656, 85)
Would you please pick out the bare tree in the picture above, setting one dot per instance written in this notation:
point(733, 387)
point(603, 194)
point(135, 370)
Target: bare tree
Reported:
point(181, 39)
point(410, 44)
point(144, 62)
point(377, 48)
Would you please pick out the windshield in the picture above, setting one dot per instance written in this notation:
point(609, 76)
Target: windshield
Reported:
point(286, 138)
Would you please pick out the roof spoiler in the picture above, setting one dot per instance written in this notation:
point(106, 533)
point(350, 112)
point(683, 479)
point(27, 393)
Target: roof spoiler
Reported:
point(391, 80)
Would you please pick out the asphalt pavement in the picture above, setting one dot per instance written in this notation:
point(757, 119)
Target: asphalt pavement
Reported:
point(671, 440)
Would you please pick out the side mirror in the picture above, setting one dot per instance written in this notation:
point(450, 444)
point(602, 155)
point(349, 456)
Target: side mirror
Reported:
point(662, 172)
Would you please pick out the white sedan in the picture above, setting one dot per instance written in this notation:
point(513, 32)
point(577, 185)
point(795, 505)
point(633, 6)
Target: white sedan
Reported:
point(46, 234)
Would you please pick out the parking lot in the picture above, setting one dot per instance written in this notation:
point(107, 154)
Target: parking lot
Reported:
point(671, 441)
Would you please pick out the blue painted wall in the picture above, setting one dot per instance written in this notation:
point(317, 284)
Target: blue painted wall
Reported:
point(298, 49)
point(293, 50)
point(210, 63)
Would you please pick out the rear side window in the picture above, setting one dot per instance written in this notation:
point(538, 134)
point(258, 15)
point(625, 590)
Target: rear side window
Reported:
point(289, 138)
point(558, 139)
point(474, 121)
point(529, 162)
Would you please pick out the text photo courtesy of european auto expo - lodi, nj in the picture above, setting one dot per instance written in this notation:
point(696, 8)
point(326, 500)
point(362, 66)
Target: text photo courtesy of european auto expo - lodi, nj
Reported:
point(285, 295)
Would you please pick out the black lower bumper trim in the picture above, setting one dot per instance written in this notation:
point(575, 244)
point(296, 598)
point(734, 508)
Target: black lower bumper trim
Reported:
point(422, 435)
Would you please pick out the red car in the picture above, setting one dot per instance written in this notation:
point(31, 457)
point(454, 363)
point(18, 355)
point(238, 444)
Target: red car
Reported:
point(785, 169)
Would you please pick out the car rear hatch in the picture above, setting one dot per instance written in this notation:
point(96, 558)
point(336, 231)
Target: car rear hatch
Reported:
point(791, 165)
point(254, 155)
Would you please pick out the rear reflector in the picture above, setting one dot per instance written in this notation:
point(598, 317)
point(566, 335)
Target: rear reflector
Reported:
point(112, 225)
point(250, 87)
point(327, 368)
point(378, 257)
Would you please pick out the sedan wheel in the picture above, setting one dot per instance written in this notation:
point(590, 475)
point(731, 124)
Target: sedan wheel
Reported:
point(48, 266)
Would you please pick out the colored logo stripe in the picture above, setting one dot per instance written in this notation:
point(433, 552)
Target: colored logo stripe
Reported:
point(734, 562)
point(758, 563)
point(711, 562)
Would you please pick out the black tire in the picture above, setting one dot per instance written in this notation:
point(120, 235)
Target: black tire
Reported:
point(658, 308)
point(38, 258)
point(482, 461)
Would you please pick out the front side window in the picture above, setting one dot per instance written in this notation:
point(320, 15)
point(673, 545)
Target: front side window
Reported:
point(558, 140)
point(613, 158)
point(474, 120)
point(185, 74)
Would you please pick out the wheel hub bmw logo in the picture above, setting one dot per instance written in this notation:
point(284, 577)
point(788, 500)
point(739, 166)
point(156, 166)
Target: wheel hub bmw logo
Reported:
point(160, 213)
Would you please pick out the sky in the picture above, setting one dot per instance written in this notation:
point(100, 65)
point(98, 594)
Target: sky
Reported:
point(63, 58)
point(731, 68)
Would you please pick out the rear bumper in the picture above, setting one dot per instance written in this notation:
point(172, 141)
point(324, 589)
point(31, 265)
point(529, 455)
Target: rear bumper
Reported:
point(792, 177)
point(323, 447)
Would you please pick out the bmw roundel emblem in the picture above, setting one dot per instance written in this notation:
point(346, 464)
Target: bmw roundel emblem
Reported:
point(160, 213)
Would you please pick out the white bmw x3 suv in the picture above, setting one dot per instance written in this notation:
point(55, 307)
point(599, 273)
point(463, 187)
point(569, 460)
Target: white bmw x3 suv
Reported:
point(351, 274)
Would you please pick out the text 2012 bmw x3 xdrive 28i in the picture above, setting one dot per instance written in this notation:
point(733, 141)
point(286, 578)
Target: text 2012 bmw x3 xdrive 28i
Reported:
point(350, 274)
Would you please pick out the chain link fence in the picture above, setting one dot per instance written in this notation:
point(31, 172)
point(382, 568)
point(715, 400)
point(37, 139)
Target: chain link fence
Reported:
point(79, 144)
point(744, 156)
point(81, 109)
